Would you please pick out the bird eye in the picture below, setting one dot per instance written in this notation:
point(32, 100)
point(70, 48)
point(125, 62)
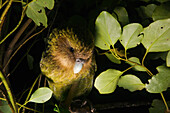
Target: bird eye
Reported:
point(71, 49)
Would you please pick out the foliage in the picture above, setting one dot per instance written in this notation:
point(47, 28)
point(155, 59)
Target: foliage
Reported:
point(41, 95)
point(158, 106)
point(155, 38)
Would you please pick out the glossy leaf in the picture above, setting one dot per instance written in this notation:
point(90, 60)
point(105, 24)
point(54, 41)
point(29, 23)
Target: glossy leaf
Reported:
point(46, 3)
point(159, 82)
point(156, 36)
point(131, 82)
point(112, 58)
point(41, 95)
point(137, 67)
point(108, 30)
point(168, 59)
point(122, 15)
point(107, 81)
point(161, 12)
point(131, 35)
point(37, 13)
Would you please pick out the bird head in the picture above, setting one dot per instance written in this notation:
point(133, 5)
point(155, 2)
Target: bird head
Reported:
point(71, 50)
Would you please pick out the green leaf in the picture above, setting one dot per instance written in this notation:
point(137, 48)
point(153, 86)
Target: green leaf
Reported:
point(108, 30)
point(131, 82)
point(4, 107)
point(148, 10)
point(112, 58)
point(30, 61)
point(158, 106)
point(161, 1)
point(159, 82)
point(36, 13)
point(122, 15)
point(157, 55)
point(130, 37)
point(41, 95)
point(161, 12)
point(168, 59)
point(56, 109)
point(107, 81)
point(137, 67)
point(156, 36)
point(46, 3)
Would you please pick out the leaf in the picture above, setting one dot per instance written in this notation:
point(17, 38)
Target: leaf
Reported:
point(30, 61)
point(106, 82)
point(137, 67)
point(156, 36)
point(36, 13)
point(158, 106)
point(41, 95)
point(159, 82)
point(4, 107)
point(131, 82)
point(46, 3)
point(122, 15)
point(147, 10)
point(161, 12)
point(168, 59)
point(130, 37)
point(108, 30)
point(112, 58)
point(161, 1)
point(157, 55)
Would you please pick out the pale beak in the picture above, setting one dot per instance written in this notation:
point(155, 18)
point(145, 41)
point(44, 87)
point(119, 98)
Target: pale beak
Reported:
point(78, 65)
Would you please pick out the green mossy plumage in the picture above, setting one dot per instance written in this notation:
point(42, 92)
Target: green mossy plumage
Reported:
point(58, 61)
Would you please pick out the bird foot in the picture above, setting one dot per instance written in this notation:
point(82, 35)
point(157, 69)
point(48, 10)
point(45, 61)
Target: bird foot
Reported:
point(81, 106)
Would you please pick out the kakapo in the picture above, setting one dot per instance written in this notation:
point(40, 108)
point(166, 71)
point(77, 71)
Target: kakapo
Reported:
point(69, 63)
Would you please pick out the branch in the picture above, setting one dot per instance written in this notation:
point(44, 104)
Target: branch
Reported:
point(12, 44)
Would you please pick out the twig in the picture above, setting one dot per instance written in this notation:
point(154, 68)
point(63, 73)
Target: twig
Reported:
point(23, 106)
point(21, 46)
point(8, 92)
point(22, 16)
point(4, 14)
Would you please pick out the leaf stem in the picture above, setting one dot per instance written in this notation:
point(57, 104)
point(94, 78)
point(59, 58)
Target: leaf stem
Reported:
point(166, 105)
point(125, 54)
point(144, 58)
point(128, 68)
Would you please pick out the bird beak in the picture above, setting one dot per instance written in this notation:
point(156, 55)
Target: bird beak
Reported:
point(78, 65)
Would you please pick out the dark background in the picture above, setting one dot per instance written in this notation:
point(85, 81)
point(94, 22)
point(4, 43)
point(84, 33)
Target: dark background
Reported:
point(86, 12)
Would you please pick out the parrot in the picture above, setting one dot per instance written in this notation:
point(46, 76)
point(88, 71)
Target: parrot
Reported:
point(69, 63)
